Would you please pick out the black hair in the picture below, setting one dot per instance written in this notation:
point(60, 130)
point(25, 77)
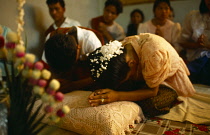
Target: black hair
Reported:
point(157, 2)
point(116, 71)
point(203, 7)
point(60, 52)
point(116, 3)
point(62, 3)
point(138, 11)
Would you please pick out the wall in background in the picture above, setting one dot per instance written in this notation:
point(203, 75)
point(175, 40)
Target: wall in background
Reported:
point(37, 18)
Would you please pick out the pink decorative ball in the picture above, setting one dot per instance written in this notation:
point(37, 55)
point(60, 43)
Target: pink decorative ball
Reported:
point(10, 45)
point(20, 54)
point(39, 65)
point(42, 83)
point(59, 96)
point(60, 113)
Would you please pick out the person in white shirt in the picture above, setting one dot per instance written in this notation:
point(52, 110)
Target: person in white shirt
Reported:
point(65, 52)
point(161, 25)
point(86, 39)
point(195, 39)
point(57, 10)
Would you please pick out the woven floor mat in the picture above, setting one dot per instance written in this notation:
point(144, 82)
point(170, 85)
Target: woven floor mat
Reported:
point(157, 126)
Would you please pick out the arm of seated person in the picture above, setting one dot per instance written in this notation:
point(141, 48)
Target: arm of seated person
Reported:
point(103, 29)
point(105, 96)
point(190, 45)
point(193, 45)
point(68, 86)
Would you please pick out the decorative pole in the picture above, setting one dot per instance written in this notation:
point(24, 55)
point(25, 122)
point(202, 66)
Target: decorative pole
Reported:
point(20, 21)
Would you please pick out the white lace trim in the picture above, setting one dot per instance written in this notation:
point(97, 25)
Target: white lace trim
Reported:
point(109, 119)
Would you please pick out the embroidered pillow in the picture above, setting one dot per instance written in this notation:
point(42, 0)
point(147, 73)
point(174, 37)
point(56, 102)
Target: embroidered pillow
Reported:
point(109, 119)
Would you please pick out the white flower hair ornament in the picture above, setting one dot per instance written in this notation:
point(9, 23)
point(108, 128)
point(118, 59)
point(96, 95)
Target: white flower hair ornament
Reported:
point(100, 59)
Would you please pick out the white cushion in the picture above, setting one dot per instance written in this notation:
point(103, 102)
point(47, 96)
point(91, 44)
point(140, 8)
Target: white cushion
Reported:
point(109, 119)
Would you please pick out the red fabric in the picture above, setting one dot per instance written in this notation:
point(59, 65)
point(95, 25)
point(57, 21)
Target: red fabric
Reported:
point(95, 22)
point(49, 30)
point(46, 66)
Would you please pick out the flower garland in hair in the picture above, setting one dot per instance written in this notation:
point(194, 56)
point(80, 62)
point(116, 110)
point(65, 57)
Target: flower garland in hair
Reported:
point(108, 51)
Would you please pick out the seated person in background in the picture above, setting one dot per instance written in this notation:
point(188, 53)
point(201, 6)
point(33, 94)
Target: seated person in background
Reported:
point(106, 23)
point(160, 24)
point(136, 17)
point(195, 39)
point(57, 10)
point(161, 69)
point(65, 52)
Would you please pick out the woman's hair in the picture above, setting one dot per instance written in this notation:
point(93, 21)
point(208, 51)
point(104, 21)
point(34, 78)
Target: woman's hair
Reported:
point(138, 11)
point(62, 3)
point(157, 2)
point(203, 7)
point(116, 3)
point(116, 70)
point(60, 52)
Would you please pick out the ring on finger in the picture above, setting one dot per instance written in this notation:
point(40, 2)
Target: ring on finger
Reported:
point(102, 100)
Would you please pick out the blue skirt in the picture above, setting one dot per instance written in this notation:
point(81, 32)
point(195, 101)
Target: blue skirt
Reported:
point(200, 70)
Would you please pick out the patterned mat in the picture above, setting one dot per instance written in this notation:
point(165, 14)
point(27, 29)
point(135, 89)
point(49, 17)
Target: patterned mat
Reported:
point(157, 126)
point(154, 126)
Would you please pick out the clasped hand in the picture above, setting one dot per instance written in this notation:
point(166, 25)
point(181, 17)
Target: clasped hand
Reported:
point(200, 40)
point(203, 41)
point(103, 96)
point(158, 31)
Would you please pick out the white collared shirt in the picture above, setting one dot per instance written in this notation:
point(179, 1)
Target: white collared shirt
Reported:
point(67, 23)
point(86, 39)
